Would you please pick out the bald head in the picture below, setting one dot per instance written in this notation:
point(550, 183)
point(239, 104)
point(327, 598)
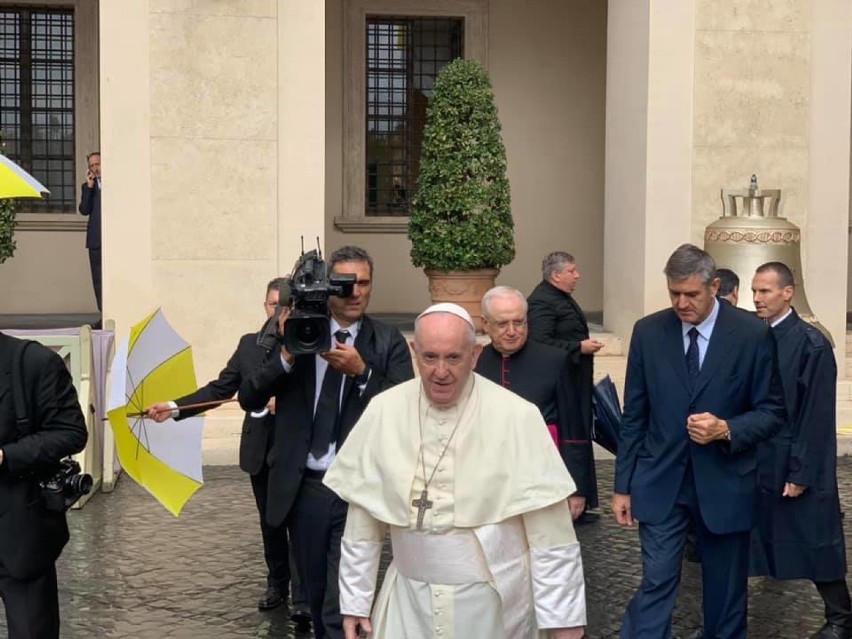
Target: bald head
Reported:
point(446, 352)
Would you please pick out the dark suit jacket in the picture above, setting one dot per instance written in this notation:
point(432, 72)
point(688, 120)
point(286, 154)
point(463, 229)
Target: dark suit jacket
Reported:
point(738, 382)
point(386, 354)
point(255, 438)
point(90, 205)
point(32, 537)
point(556, 319)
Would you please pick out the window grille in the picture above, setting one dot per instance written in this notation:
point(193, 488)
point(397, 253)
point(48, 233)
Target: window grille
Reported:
point(404, 56)
point(37, 99)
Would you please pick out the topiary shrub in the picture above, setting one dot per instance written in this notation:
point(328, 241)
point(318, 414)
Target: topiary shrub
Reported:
point(7, 223)
point(461, 217)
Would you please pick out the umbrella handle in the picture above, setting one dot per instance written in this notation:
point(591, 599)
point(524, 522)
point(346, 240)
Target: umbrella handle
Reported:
point(212, 404)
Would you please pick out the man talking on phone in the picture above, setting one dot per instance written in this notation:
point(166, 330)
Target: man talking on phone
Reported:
point(90, 206)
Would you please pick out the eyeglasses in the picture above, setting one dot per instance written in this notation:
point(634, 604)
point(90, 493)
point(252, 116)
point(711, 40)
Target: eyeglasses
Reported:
point(515, 324)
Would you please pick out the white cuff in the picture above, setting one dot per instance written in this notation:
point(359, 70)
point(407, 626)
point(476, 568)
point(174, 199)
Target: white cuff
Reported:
point(359, 567)
point(559, 590)
point(175, 409)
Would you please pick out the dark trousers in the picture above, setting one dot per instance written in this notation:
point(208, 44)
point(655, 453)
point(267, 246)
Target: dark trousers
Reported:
point(319, 517)
point(32, 607)
point(724, 570)
point(838, 606)
point(279, 554)
point(95, 266)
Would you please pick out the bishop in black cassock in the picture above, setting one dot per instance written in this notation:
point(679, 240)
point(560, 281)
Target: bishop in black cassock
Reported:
point(541, 375)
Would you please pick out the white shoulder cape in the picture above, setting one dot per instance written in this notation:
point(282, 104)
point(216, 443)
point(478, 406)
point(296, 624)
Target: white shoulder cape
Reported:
point(505, 460)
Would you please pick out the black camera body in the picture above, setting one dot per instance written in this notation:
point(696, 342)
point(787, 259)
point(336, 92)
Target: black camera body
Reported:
point(63, 484)
point(308, 290)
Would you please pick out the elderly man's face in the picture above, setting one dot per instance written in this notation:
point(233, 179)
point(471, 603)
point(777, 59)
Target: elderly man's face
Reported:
point(445, 356)
point(692, 299)
point(506, 324)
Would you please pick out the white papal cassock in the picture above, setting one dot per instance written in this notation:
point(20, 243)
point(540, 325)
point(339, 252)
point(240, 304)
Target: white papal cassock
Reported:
point(497, 555)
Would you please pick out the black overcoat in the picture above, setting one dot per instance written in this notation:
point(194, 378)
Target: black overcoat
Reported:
point(801, 537)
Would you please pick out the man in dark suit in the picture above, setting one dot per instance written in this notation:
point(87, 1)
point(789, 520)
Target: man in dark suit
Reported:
point(702, 390)
point(255, 443)
point(799, 532)
point(31, 536)
point(538, 373)
point(90, 206)
point(556, 319)
point(318, 399)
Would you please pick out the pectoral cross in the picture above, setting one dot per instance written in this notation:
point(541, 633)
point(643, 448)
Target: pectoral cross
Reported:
point(422, 505)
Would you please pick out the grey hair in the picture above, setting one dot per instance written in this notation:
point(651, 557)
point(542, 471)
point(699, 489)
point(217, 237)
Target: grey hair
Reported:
point(555, 262)
point(689, 260)
point(469, 333)
point(501, 291)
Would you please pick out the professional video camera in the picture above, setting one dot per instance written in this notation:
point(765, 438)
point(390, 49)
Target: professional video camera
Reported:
point(306, 294)
point(63, 484)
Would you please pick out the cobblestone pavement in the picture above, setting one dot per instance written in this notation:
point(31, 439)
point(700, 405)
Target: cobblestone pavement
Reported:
point(132, 570)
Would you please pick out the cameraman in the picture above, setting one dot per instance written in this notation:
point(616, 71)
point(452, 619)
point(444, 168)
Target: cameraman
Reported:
point(255, 442)
point(318, 399)
point(31, 536)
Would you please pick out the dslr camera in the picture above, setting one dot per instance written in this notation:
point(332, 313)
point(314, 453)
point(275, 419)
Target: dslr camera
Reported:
point(306, 294)
point(63, 484)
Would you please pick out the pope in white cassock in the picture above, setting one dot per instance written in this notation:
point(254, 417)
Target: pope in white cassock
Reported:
point(464, 476)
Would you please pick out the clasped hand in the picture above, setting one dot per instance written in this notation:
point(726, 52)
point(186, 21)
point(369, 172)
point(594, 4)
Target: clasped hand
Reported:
point(704, 428)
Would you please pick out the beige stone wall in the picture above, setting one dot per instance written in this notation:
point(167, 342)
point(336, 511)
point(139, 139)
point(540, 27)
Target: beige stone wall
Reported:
point(215, 147)
point(752, 103)
point(547, 60)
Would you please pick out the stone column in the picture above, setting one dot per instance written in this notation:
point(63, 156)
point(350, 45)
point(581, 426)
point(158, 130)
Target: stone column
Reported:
point(648, 189)
point(301, 128)
point(826, 233)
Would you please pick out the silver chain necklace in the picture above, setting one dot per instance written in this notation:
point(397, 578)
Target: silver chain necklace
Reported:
point(423, 504)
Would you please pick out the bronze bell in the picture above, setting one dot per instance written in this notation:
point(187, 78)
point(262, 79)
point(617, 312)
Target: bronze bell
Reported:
point(746, 237)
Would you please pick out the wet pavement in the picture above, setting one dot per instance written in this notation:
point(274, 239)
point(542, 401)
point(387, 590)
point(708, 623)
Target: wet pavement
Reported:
point(133, 570)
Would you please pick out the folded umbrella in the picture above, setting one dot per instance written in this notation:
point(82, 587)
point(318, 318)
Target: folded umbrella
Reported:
point(607, 414)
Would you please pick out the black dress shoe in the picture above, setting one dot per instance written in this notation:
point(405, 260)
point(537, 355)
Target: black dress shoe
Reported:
point(301, 616)
point(272, 598)
point(833, 631)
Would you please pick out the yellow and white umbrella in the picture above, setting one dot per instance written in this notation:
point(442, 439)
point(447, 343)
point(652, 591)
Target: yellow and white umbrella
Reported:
point(15, 182)
point(154, 364)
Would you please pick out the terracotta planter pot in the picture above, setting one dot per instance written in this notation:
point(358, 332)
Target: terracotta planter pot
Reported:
point(464, 288)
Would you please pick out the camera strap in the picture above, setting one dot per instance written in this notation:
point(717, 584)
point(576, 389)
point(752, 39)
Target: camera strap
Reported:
point(19, 397)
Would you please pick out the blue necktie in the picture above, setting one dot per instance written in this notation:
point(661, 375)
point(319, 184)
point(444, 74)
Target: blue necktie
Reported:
point(692, 362)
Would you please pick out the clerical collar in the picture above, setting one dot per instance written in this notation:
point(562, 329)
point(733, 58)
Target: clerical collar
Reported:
point(782, 318)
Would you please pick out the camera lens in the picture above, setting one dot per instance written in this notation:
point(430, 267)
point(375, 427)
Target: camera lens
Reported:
point(81, 484)
point(308, 333)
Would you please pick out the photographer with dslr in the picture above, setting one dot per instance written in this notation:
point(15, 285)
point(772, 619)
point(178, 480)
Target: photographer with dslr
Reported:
point(40, 424)
point(319, 395)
